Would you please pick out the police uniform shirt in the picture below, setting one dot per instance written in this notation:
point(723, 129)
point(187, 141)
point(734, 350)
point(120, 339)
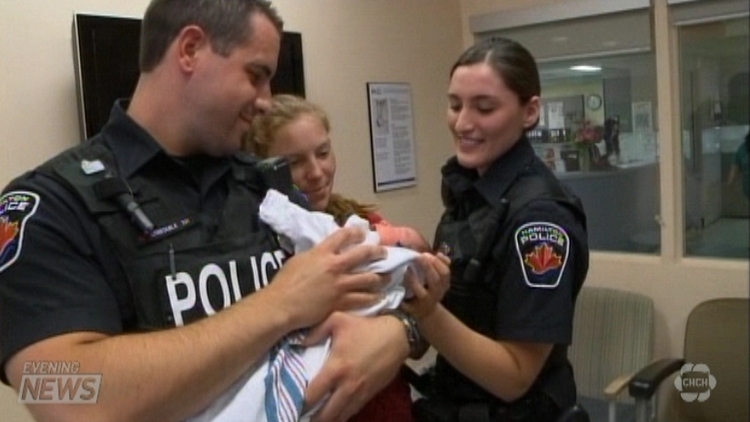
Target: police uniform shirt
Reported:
point(58, 270)
point(542, 262)
point(533, 308)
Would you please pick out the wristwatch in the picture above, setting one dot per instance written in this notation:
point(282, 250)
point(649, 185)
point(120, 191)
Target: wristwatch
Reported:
point(412, 330)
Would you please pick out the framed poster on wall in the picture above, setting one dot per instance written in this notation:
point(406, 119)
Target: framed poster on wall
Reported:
point(642, 117)
point(391, 135)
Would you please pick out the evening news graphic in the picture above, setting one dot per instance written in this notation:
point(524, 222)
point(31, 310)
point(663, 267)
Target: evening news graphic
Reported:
point(57, 382)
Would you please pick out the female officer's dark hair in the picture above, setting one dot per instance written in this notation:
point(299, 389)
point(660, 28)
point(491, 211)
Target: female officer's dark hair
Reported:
point(511, 61)
point(225, 22)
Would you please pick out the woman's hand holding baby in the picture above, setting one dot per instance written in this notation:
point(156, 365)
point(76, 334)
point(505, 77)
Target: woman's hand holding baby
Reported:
point(428, 286)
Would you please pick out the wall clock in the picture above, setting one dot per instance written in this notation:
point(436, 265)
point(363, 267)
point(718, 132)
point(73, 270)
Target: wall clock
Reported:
point(594, 102)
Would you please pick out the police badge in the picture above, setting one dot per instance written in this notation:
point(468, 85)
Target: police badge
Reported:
point(16, 208)
point(543, 251)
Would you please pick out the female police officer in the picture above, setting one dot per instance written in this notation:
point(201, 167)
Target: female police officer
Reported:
point(518, 249)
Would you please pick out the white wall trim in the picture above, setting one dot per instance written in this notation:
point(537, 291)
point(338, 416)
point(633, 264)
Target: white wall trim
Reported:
point(712, 19)
point(494, 21)
point(596, 54)
point(696, 12)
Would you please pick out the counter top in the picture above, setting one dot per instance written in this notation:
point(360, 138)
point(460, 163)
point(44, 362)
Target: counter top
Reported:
point(616, 171)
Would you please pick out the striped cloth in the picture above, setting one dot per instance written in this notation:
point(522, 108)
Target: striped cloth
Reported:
point(286, 379)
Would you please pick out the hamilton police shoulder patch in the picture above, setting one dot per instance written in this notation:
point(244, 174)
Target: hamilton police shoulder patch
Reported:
point(543, 250)
point(16, 207)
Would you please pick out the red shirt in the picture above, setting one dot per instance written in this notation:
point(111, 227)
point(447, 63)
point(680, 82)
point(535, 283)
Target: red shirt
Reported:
point(393, 403)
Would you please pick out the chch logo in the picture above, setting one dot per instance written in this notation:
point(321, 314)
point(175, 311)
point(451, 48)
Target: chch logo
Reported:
point(695, 382)
point(543, 259)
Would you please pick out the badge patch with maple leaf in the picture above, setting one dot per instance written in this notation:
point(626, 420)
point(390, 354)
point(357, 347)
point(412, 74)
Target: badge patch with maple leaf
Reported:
point(543, 251)
point(15, 209)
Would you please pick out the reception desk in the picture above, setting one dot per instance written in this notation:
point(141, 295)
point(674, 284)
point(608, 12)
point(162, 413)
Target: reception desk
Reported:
point(621, 206)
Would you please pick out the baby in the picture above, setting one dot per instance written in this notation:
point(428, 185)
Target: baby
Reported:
point(299, 230)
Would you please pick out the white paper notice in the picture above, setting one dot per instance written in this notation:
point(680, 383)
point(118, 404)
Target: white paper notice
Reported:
point(555, 115)
point(392, 135)
point(543, 116)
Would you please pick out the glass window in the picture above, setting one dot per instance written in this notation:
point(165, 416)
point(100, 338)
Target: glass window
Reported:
point(599, 134)
point(714, 79)
point(598, 131)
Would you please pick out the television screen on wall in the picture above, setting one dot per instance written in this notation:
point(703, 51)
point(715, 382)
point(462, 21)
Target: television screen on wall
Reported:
point(290, 72)
point(105, 50)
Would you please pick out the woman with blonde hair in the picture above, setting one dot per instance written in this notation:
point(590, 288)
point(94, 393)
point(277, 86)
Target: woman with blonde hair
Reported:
point(299, 130)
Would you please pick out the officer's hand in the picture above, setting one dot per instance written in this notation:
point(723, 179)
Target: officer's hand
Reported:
point(315, 282)
point(366, 354)
point(429, 289)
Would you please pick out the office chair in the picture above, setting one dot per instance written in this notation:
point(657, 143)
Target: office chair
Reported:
point(612, 340)
point(713, 383)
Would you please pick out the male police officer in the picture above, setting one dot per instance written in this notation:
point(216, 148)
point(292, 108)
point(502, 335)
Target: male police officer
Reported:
point(153, 224)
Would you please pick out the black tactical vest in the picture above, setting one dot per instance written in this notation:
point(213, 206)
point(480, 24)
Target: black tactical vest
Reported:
point(176, 272)
point(477, 234)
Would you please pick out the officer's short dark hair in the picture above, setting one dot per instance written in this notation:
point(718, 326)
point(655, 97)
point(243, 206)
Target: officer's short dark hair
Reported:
point(513, 63)
point(225, 22)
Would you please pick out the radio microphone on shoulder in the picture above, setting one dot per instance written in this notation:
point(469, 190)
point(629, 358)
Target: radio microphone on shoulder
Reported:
point(117, 189)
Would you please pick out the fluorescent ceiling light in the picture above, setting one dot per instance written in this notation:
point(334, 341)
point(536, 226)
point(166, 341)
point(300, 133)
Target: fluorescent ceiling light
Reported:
point(586, 68)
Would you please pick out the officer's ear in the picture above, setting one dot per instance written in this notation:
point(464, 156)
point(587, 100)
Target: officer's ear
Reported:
point(531, 111)
point(191, 42)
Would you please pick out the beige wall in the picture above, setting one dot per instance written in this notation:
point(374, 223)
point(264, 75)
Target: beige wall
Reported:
point(346, 44)
point(474, 7)
point(349, 43)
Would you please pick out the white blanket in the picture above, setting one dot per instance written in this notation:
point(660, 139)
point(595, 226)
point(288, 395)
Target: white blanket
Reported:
point(300, 230)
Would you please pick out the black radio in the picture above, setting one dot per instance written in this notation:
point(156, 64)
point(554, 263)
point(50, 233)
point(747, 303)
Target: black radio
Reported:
point(277, 175)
